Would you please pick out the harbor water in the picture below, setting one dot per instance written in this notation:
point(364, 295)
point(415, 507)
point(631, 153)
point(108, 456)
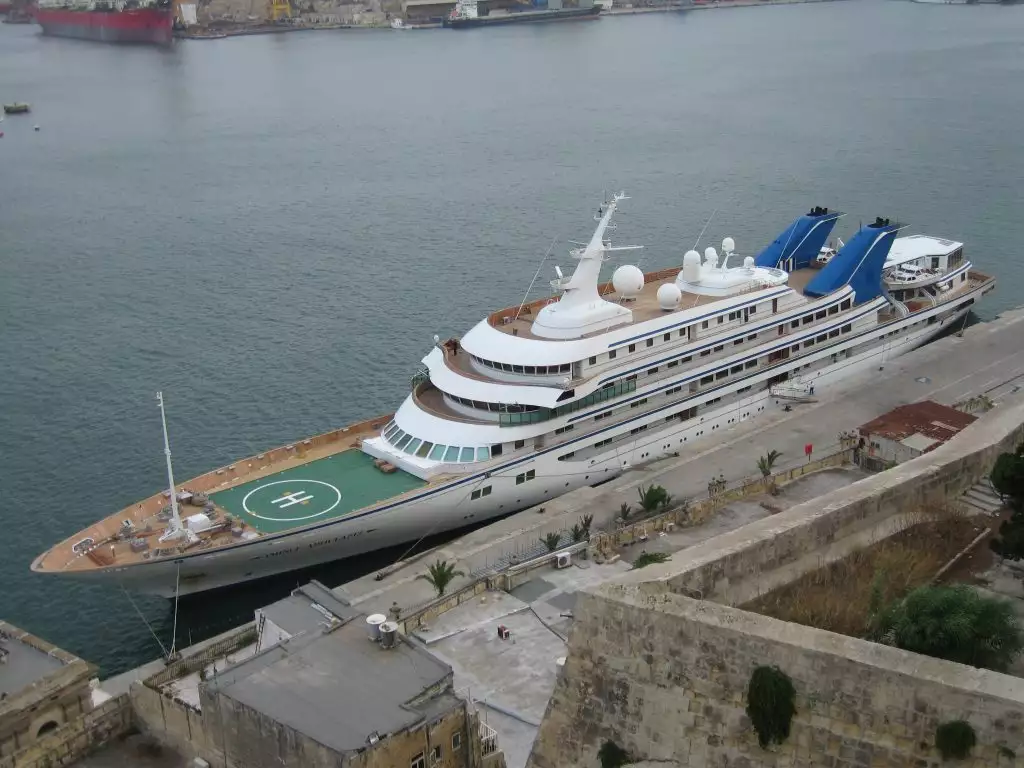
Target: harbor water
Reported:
point(272, 229)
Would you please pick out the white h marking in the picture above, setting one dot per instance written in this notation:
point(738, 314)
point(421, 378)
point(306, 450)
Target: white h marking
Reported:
point(292, 498)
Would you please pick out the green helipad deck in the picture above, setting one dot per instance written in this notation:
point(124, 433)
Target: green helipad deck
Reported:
point(321, 490)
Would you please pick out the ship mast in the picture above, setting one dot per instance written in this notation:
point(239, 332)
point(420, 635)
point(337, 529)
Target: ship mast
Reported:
point(175, 529)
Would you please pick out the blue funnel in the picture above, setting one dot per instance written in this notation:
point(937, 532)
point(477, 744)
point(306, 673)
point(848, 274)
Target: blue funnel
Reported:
point(800, 243)
point(858, 264)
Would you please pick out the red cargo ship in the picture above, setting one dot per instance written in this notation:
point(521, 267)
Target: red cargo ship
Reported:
point(109, 22)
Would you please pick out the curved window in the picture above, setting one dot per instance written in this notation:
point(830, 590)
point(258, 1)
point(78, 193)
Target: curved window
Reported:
point(467, 455)
point(452, 454)
point(437, 452)
point(411, 447)
point(424, 449)
point(483, 454)
point(403, 442)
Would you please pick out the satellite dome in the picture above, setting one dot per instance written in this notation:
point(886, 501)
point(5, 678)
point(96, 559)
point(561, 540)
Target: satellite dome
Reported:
point(728, 245)
point(628, 281)
point(691, 267)
point(669, 296)
point(711, 256)
point(748, 262)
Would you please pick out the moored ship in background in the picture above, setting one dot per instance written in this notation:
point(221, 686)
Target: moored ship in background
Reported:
point(466, 13)
point(108, 21)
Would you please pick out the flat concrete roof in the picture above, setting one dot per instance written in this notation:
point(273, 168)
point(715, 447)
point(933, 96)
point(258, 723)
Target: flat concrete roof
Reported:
point(304, 609)
point(24, 665)
point(337, 687)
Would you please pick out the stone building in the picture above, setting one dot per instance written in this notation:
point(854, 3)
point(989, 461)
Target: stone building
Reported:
point(336, 698)
point(41, 689)
point(904, 433)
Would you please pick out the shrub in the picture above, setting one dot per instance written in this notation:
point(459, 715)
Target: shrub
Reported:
point(955, 623)
point(653, 497)
point(649, 558)
point(585, 522)
point(1007, 475)
point(624, 511)
point(1010, 542)
point(955, 739)
point(552, 540)
point(612, 755)
point(770, 707)
point(577, 533)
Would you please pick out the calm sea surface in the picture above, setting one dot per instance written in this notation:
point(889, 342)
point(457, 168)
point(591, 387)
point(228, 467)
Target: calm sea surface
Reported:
point(271, 229)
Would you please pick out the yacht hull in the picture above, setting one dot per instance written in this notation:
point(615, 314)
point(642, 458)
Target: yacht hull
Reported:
point(448, 508)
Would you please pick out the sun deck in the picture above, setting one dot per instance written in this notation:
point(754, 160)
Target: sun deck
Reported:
point(519, 322)
point(324, 467)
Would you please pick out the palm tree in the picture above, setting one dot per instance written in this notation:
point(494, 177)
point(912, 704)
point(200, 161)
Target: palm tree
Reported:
point(585, 522)
point(624, 511)
point(552, 540)
point(440, 575)
point(766, 462)
point(578, 533)
point(653, 497)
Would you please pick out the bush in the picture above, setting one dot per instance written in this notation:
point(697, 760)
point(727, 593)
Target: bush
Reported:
point(1007, 475)
point(649, 558)
point(1010, 542)
point(954, 623)
point(955, 739)
point(612, 755)
point(770, 705)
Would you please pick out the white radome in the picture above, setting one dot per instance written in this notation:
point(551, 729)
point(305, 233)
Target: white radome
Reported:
point(628, 281)
point(728, 245)
point(669, 296)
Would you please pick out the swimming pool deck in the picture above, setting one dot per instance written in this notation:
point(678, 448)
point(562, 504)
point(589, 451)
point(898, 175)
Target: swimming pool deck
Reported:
point(324, 489)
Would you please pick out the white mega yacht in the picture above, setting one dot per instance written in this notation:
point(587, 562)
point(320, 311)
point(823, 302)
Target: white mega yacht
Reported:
point(539, 399)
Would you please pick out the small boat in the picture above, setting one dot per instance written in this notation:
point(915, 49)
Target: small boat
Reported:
point(16, 108)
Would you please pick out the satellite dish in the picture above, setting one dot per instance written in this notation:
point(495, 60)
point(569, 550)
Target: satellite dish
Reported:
point(728, 245)
point(558, 271)
point(436, 338)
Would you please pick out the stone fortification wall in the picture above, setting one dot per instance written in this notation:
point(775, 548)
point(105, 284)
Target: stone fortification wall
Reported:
point(728, 568)
point(76, 738)
point(667, 681)
point(665, 675)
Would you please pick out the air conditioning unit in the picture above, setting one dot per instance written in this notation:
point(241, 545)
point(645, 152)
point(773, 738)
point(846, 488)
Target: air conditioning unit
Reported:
point(563, 560)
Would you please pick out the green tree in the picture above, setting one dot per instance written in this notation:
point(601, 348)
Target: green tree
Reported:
point(653, 498)
point(624, 511)
point(767, 462)
point(577, 533)
point(955, 623)
point(1007, 476)
point(585, 522)
point(612, 755)
point(440, 575)
point(552, 540)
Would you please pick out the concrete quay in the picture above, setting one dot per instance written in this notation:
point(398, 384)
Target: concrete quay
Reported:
point(508, 576)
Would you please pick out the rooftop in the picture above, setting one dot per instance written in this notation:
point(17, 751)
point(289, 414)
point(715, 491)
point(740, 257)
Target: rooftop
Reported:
point(303, 610)
point(338, 687)
point(921, 425)
point(22, 662)
point(913, 247)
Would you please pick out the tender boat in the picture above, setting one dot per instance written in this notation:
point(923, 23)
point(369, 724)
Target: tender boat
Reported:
point(16, 109)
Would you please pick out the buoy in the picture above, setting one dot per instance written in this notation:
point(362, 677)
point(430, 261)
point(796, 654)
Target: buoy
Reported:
point(36, 128)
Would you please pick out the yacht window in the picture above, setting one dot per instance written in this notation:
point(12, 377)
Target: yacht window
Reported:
point(592, 361)
point(845, 304)
point(638, 403)
point(833, 334)
point(632, 347)
point(721, 374)
point(517, 369)
point(390, 430)
point(736, 369)
point(452, 454)
point(719, 348)
point(467, 455)
point(496, 450)
point(833, 310)
point(751, 364)
point(808, 343)
point(734, 315)
point(673, 364)
point(424, 449)
point(686, 359)
point(437, 452)
point(704, 325)
point(682, 332)
point(794, 324)
point(667, 337)
point(738, 341)
point(752, 310)
point(483, 454)
point(565, 368)
point(846, 328)
point(741, 390)
point(819, 315)
point(707, 379)
point(403, 442)
point(518, 444)
point(705, 352)
point(542, 369)
point(506, 367)
point(411, 447)
point(652, 371)
point(611, 355)
point(808, 319)
point(650, 342)
point(821, 338)
point(530, 369)
point(721, 319)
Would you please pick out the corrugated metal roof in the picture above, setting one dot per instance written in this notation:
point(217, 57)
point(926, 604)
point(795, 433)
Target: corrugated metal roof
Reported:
point(925, 420)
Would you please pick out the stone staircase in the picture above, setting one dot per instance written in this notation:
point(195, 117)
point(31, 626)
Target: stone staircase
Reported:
point(981, 499)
